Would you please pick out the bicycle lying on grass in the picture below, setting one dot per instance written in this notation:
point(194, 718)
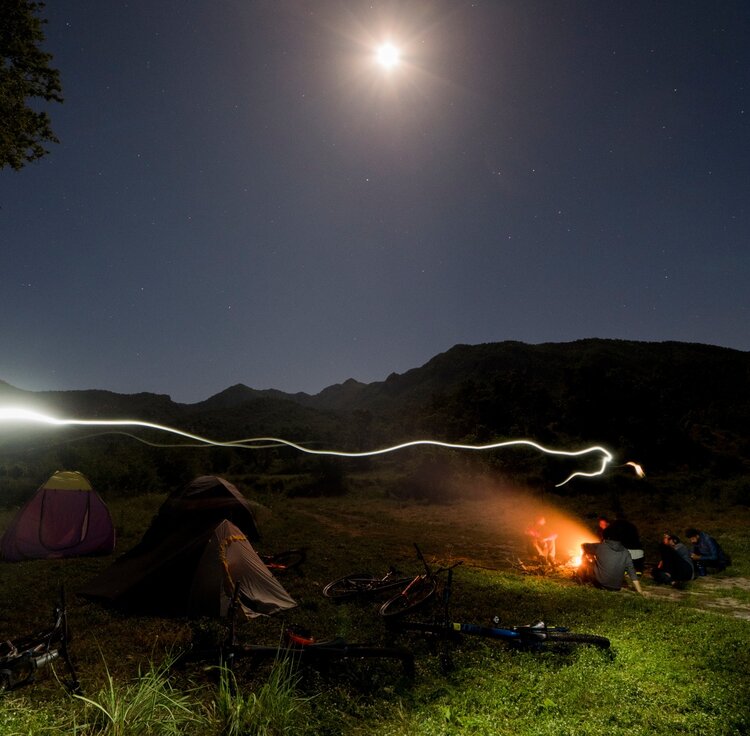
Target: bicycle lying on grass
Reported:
point(418, 591)
point(531, 637)
point(296, 644)
point(22, 658)
point(301, 646)
point(414, 590)
point(364, 585)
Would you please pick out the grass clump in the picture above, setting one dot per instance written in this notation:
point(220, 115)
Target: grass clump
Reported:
point(274, 709)
point(146, 707)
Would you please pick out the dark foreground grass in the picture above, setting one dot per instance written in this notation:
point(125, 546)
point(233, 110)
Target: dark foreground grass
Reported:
point(673, 668)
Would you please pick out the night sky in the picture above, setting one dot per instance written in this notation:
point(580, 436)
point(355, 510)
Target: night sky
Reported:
point(242, 195)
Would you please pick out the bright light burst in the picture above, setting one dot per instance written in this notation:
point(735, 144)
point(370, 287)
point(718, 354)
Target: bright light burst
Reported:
point(387, 55)
point(19, 414)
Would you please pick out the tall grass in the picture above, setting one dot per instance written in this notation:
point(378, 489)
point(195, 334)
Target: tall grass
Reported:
point(274, 709)
point(148, 706)
point(152, 706)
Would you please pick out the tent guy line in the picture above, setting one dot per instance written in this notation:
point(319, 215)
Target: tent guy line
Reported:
point(17, 414)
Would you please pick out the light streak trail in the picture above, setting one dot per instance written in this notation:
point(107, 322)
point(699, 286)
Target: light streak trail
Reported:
point(638, 469)
point(16, 414)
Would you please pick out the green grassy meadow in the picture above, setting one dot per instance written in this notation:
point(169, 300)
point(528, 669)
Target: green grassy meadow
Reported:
point(679, 664)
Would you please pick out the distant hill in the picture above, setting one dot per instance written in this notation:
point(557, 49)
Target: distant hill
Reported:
point(672, 405)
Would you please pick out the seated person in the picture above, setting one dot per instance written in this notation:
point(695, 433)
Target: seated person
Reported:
point(707, 552)
point(626, 532)
point(605, 564)
point(676, 565)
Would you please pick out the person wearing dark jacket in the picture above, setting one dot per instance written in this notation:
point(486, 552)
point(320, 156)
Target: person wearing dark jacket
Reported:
point(607, 562)
point(626, 532)
point(676, 566)
point(707, 552)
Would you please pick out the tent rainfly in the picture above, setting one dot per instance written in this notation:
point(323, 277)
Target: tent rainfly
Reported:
point(199, 506)
point(193, 575)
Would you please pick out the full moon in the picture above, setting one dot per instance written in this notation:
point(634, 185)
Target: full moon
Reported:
point(387, 55)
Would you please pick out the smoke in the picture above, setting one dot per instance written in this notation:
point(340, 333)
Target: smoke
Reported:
point(508, 511)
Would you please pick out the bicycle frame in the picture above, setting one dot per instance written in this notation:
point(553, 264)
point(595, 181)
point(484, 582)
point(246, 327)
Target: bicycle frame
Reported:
point(22, 658)
point(523, 635)
point(531, 636)
point(418, 591)
point(310, 651)
point(296, 646)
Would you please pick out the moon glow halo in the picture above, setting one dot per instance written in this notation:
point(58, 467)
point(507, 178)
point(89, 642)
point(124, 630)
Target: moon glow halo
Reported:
point(387, 55)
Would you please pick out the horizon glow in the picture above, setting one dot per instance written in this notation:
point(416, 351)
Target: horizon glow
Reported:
point(13, 414)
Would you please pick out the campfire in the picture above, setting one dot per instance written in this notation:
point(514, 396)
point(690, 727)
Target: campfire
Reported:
point(566, 554)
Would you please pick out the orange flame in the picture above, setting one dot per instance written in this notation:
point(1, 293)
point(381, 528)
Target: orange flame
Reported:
point(569, 534)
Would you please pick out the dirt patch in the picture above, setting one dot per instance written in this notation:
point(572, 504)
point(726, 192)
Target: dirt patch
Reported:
point(706, 594)
point(343, 525)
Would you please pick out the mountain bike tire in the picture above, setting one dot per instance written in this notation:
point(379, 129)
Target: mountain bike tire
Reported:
point(410, 599)
point(561, 637)
point(361, 584)
point(358, 583)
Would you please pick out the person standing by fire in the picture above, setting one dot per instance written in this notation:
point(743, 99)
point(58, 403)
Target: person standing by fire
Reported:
point(605, 564)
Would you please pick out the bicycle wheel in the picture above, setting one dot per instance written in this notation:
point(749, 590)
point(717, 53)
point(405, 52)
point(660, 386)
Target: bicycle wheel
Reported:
point(350, 586)
point(362, 584)
point(412, 597)
point(284, 561)
point(568, 637)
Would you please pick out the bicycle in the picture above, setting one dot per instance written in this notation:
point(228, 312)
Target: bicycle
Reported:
point(364, 585)
point(417, 592)
point(299, 645)
point(534, 636)
point(285, 561)
point(22, 658)
point(296, 644)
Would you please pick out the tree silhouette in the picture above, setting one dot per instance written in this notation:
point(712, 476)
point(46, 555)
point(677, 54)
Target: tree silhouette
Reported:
point(25, 76)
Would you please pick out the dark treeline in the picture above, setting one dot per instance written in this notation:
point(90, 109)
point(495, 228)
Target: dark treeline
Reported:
point(680, 409)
